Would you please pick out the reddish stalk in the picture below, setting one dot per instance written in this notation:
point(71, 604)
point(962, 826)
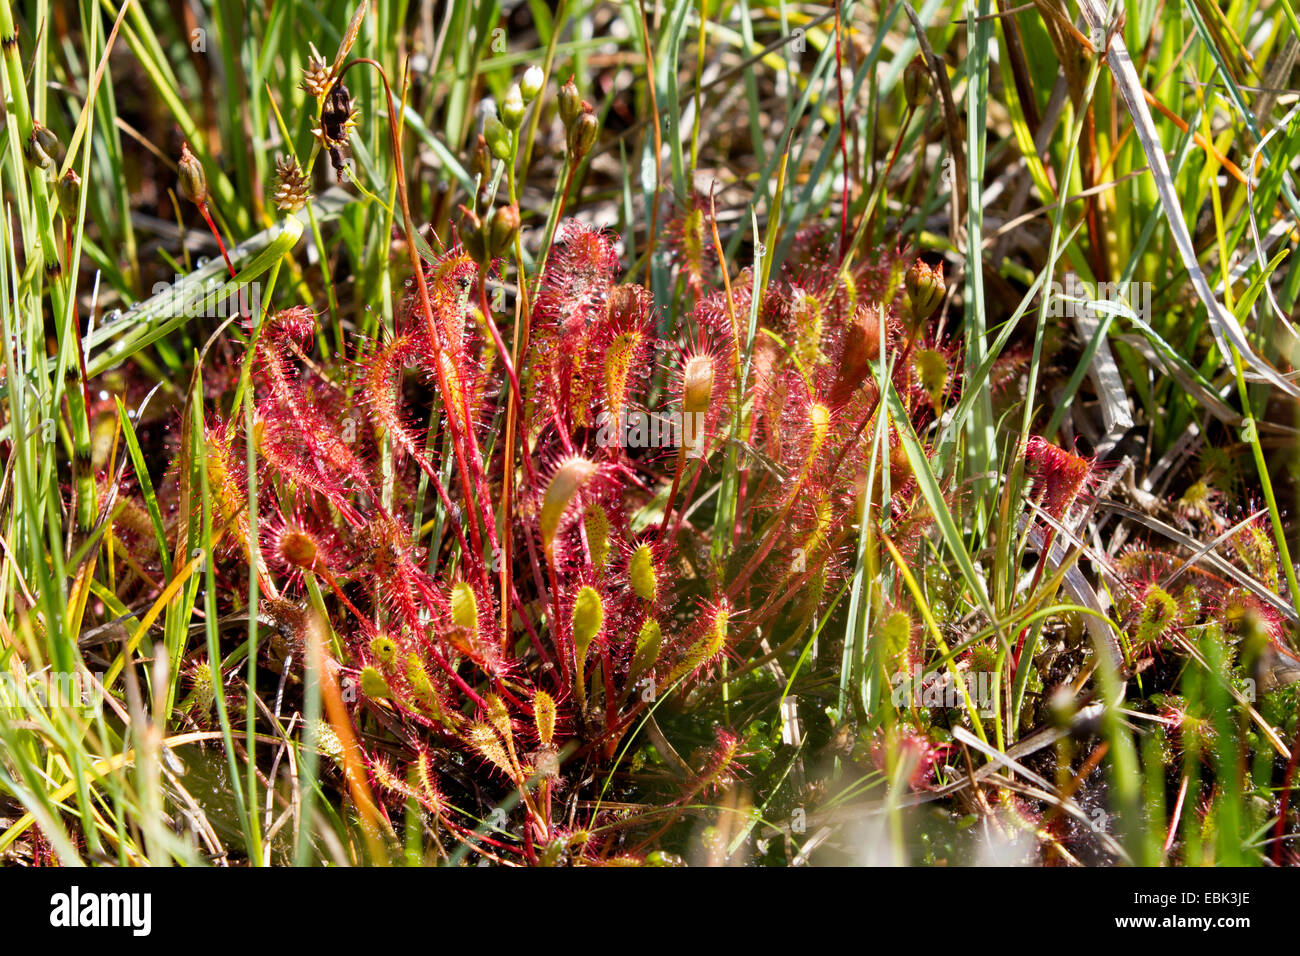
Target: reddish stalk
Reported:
point(514, 415)
point(460, 445)
point(517, 407)
point(769, 539)
point(216, 234)
point(672, 493)
point(1049, 538)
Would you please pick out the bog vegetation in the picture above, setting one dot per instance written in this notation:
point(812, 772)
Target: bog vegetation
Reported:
point(711, 432)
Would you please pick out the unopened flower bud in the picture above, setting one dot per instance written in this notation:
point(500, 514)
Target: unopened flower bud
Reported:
point(194, 185)
point(582, 134)
point(69, 192)
point(512, 108)
point(531, 84)
point(502, 228)
point(925, 289)
point(498, 138)
point(570, 103)
point(916, 82)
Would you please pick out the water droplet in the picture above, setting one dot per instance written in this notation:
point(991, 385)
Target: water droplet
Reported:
point(201, 261)
point(112, 316)
point(103, 395)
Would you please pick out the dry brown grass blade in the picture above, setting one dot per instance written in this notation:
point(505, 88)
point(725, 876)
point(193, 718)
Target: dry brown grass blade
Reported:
point(952, 125)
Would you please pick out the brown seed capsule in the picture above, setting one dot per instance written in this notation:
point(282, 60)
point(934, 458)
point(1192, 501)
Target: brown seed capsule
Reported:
point(480, 161)
point(925, 289)
point(570, 103)
point(69, 192)
point(194, 185)
point(501, 229)
point(472, 237)
point(916, 82)
point(42, 149)
point(582, 134)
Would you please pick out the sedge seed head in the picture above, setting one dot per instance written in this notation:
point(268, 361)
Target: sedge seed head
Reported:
point(291, 187)
point(317, 76)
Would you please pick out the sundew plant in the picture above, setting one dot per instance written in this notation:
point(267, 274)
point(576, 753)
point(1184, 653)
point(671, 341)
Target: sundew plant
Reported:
point(704, 432)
